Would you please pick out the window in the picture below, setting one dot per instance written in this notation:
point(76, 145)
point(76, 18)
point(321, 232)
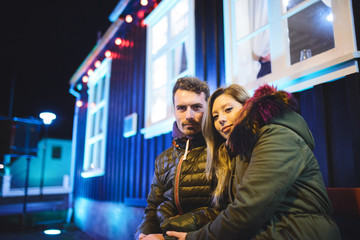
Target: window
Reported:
point(294, 44)
point(170, 55)
point(96, 124)
point(56, 152)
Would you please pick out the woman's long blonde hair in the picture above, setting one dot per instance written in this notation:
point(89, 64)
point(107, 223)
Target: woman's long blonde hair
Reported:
point(218, 161)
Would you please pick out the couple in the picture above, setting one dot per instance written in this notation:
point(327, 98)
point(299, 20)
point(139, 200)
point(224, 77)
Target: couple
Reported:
point(262, 180)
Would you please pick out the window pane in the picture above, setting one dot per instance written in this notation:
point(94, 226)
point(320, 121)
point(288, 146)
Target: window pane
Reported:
point(253, 58)
point(93, 122)
point(250, 16)
point(316, 36)
point(95, 100)
point(158, 108)
point(289, 4)
point(159, 72)
point(99, 154)
point(101, 119)
point(91, 156)
point(159, 35)
point(102, 90)
point(180, 59)
point(179, 17)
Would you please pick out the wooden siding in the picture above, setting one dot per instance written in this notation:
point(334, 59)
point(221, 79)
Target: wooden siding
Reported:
point(130, 161)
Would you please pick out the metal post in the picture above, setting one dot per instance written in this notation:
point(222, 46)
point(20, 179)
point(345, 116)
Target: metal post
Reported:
point(26, 192)
point(43, 161)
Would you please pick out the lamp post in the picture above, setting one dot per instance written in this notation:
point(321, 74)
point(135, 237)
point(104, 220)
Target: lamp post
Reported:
point(47, 118)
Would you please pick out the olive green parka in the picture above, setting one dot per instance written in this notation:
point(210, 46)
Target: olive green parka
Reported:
point(277, 191)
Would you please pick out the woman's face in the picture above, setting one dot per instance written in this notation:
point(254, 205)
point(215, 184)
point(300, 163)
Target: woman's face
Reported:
point(224, 112)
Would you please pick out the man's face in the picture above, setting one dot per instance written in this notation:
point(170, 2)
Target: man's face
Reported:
point(189, 108)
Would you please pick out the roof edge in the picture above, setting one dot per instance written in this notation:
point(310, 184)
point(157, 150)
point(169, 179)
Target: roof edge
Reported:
point(96, 50)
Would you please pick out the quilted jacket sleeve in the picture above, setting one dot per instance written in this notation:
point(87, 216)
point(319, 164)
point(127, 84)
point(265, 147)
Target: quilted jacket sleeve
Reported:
point(275, 164)
point(149, 223)
point(165, 211)
point(190, 221)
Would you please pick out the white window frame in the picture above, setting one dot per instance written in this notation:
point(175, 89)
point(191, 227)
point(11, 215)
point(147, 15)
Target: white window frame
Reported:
point(162, 10)
point(327, 66)
point(103, 72)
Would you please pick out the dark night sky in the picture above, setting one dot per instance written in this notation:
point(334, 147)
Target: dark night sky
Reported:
point(42, 45)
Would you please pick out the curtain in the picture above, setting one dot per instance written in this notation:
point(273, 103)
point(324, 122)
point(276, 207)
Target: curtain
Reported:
point(332, 111)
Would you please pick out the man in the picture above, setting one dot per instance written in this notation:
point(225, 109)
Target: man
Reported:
point(180, 192)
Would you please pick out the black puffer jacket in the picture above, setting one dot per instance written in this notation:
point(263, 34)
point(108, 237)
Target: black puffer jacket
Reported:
point(179, 187)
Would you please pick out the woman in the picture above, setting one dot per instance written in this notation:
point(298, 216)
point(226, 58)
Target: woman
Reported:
point(270, 173)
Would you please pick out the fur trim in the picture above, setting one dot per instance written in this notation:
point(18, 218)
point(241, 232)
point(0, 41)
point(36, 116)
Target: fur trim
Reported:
point(257, 112)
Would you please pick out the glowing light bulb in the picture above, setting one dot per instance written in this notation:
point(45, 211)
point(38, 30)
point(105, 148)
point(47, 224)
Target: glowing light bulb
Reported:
point(144, 2)
point(47, 117)
point(108, 54)
point(90, 72)
point(128, 18)
point(79, 103)
point(97, 63)
point(118, 41)
point(85, 79)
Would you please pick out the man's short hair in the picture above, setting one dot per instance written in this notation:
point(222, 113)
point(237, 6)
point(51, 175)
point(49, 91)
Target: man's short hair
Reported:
point(192, 84)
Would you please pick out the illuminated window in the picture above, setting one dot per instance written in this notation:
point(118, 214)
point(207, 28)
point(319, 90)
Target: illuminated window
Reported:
point(170, 55)
point(288, 42)
point(96, 125)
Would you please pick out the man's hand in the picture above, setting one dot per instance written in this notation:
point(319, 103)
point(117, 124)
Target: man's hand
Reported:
point(152, 237)
point(179, 235)
point(141, 236)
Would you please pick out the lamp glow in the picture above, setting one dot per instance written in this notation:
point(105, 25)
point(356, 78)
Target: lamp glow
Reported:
point(47, 117)
point(97, 63)
point(118, 41)
point(128, 18)
point(144, 2)
point(107, 54)
point(90, 72)
point(52, 232)
point(79, 103)
point(85, 79)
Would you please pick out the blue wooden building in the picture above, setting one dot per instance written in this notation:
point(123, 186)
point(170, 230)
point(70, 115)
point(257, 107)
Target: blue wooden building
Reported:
point(123, 114)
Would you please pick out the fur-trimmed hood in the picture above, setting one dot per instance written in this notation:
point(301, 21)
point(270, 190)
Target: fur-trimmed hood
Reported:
point(268, 105)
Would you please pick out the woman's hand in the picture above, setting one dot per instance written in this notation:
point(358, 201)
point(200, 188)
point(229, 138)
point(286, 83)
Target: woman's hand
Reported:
point(153, 237)
point(179, 235)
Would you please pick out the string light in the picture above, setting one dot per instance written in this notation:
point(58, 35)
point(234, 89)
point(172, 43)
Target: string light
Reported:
point(97, 63)
point(85, 79)
point(140, 14)
point(108, 53)
point(118, 41)
point(128, 18)
point(90, 72)
point(144, 2)
point(79, 103)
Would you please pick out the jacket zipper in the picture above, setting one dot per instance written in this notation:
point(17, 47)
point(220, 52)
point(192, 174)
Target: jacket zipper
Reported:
point(177, 182)
point(177, 179)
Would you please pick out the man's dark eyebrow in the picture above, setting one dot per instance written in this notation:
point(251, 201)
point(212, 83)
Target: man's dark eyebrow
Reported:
point(198, 104)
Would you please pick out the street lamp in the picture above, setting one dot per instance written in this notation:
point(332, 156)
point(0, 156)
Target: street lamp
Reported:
point(47, 118)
